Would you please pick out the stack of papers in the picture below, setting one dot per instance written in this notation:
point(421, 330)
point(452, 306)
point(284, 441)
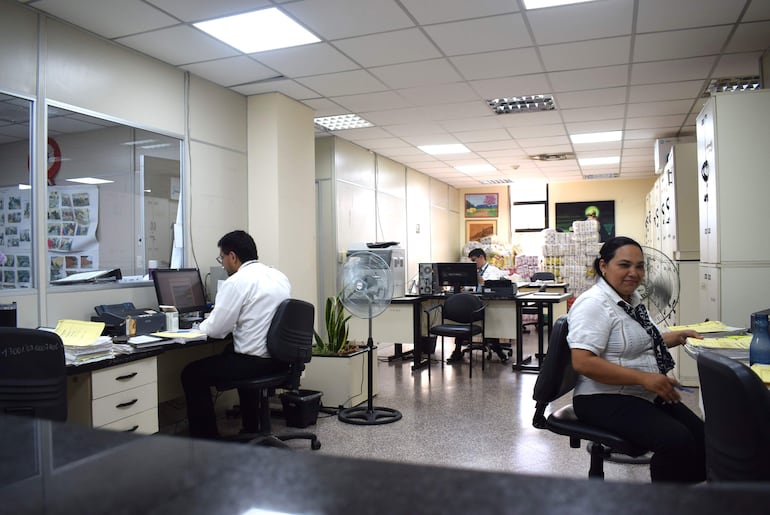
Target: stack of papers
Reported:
point(146, 341)
point(83, 341)
point(763, 371)
point(182, 336)
point(711, 329)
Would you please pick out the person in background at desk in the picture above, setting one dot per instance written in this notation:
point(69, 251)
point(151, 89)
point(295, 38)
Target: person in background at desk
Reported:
point(486, 272)
point(244, 306)
point(623, 360)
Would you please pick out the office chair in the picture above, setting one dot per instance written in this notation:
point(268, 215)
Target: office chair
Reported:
point(290, 340)
point(460, 313)
point(556, 378)
point(33, 379)
point(737, 411)
point(530, 308)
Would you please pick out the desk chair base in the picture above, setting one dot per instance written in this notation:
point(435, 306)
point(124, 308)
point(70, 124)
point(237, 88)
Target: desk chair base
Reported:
point(369, 416)
point(278, 441)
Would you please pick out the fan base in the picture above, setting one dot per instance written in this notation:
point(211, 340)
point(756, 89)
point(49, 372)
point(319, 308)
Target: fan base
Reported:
point(364, 416)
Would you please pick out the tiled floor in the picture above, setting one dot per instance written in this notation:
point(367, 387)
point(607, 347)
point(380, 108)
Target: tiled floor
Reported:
point(480, 423)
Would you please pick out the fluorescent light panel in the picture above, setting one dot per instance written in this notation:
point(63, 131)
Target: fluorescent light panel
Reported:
point(90, 180)
point(592, 161)
point(257, 31)
point(484, 167)
point(525, 104)
point(596, 137)
point(539, 4)
point(437, 150)
point(342, 122)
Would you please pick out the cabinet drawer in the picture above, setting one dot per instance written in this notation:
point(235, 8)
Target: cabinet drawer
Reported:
point(122, 377)
point(123, 404)
point(145, 423)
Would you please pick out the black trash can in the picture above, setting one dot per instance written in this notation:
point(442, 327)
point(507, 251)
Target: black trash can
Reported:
point(428, 344)
point(300, 408)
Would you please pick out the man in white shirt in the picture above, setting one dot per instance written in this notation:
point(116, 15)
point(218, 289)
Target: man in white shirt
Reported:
point(244, 306)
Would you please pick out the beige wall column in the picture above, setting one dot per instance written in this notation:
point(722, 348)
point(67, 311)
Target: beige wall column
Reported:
point(281, 188)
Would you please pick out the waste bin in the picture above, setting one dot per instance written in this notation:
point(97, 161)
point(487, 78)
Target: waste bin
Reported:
point(300, 408)
point(428, 344)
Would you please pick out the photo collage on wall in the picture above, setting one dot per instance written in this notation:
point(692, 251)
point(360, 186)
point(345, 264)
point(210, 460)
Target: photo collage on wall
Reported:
point(73, 213)
point(15, 238)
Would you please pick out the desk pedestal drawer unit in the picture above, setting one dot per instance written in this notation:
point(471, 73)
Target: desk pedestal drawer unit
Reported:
point(123, 397)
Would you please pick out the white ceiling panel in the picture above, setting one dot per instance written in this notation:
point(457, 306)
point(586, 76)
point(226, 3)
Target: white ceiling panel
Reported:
point(657, 15)
point(333, 19)
point(750, 37)
point(536, 84)
point(737, 65)
point(680, 43)
point(198, 10)
point(300, 61)
point(388, 48)
point(671, 71)
point(591, 20)
point(238, 69)
point(420, 73)
point(480, 35)
point(592, 78)
point(343, 83)
point(504, 63)
point(372, 101)
point(179, 45)
point(437, 11)
point(586, 54)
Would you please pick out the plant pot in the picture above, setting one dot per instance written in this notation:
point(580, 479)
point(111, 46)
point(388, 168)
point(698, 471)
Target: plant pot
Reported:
point(341, 378)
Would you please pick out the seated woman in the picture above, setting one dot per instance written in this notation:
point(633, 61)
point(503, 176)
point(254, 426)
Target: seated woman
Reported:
point(623, 360)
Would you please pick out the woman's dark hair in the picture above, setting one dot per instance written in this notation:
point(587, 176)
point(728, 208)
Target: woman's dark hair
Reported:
point(241, 243)
point(609, 249)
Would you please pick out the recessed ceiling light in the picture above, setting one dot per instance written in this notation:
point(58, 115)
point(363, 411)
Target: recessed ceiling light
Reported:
point(591, 161)
point(90, 180)
point(733, 84)
point(601, 176)
point(539, 4)
point(257, 31)
point(435, 150)
point(555, 156)
point(25, 187)
point(525, 104)
point(342, 122)
point(483, 167)
point(496, 181)
point(596, 137)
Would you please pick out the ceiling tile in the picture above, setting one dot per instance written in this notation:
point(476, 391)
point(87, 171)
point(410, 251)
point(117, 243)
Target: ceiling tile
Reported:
point(592, 97)
point(586, 54)
point(420, 73)
point(750, 36)
point(595, 126)
point(289, 88)
point(670, 71)
point(324, 107)
point(331, 19)
point(179, 45)
point(667, 107)
point(364, 133)
point(343, 83)
point(524, 85)
point(650, 122)
point(109, 18)
point(300, 61)
point(437, 11)
point(591, 78)
point(410, 129)
point(736, 65)
point(680, 43)
point(388, 48)
point(537, 131)
point(480, 35)
point(587, 114)
point(657, 15)
point(503, 63)
point(592, 20)
point(757, 11)
point(231, 71)
point(439, 94)
point(372, 101)
point(199, 10)
point(666, 91)
point(478, 135)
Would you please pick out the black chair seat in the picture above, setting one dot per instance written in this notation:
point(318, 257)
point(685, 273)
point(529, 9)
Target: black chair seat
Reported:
point(564, 422)
point(455, 331)
point(271, 381)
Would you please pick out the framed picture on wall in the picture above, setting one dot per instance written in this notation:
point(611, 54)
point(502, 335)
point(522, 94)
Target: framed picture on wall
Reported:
point(601, 210)
point(477, 229)
point(481, 205)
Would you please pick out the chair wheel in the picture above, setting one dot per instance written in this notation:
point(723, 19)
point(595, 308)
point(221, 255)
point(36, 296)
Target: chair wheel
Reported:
point(315, 445)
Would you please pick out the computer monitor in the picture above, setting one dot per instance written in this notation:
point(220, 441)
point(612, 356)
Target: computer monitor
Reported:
point(457, 275)
point(180, 287)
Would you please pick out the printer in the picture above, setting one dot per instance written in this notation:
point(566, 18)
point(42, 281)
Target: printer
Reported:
point(393, 255)
point(114, 316)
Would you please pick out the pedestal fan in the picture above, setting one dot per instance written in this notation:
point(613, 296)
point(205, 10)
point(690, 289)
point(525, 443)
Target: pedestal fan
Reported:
point(660, 288)
point(367, 287)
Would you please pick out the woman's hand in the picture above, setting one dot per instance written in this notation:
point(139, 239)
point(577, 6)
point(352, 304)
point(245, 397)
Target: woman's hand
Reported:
point(674, 338)
point(661, 385)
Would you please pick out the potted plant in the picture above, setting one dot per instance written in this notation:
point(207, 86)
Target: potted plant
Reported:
point(338, 368)
point(336, 323)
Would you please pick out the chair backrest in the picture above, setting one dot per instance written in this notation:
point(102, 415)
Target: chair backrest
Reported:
point(33, 378)
point(543, 276)
point(737, 410)
point(464, 308)
point(556, 377)
point(290, 337)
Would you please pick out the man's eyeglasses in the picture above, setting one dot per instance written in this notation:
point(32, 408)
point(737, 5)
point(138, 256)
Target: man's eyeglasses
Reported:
point(219, 259)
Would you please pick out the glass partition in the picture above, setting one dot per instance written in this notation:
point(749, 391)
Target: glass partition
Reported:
point(16, 270)
point(114, 200)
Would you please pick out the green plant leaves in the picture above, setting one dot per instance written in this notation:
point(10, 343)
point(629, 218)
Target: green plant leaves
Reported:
point(336, 324)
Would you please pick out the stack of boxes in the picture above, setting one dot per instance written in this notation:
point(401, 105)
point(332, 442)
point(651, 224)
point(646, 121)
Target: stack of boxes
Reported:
point(570, 256)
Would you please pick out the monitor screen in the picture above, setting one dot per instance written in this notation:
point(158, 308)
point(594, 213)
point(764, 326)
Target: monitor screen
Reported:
point(180, 287)
point(457, 275)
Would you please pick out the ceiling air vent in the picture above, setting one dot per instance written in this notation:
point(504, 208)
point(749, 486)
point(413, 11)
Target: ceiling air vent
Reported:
point(601, 176)
point(558, 156)
point(732, 84)
point(496, 181)
point(526, 104)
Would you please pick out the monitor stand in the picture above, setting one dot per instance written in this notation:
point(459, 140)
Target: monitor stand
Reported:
point(186, 321)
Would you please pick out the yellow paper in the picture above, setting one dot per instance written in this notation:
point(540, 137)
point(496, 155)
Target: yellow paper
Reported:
point(763, 371)
point(741, 341)
point(711, 326)
point(78, 333)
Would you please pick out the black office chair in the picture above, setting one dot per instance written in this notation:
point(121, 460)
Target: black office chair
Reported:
point(737, 411)
point(289, 339)
point(556, 378)
point(531, 308)
point(460, 317)
point(33, 379)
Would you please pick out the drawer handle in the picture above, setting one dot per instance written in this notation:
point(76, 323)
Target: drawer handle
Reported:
point(131, 430)
point(127, 404)
point(125, 377)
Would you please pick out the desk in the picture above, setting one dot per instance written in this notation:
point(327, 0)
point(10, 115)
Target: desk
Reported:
point(123, 393)
point(405, 322)
point(61, 468)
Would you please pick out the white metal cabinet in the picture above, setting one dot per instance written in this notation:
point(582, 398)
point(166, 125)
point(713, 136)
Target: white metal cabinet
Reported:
point(678, 198)
point(125, 397)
